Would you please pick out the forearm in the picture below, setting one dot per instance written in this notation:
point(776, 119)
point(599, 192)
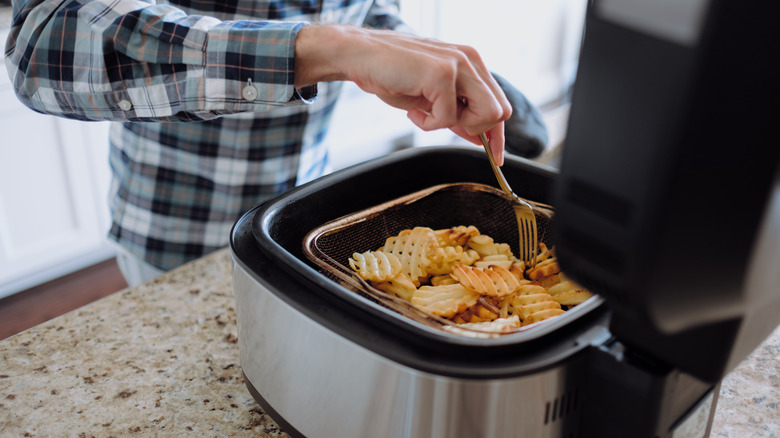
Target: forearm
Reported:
point(135, 61)
point(319, 51)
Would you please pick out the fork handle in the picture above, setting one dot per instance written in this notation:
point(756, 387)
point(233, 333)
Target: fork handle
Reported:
point(497, 170)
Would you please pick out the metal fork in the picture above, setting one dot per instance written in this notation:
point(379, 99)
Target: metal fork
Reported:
point(524, 211)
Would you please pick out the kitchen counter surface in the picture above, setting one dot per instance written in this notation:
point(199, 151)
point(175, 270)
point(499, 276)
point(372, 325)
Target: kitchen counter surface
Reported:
point(162, 359)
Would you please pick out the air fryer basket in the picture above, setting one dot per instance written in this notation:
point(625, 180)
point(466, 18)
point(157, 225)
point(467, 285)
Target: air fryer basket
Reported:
point(331, 245)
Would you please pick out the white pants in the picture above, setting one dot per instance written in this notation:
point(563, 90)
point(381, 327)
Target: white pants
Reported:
point(134, 269)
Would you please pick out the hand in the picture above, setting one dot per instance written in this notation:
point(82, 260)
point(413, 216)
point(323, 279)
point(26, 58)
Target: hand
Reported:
point(439, 85)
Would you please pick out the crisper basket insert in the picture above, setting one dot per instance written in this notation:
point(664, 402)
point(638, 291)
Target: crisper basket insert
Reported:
point(331, 245)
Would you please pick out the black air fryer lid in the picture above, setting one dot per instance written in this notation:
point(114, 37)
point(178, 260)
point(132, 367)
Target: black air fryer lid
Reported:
point(668, 202)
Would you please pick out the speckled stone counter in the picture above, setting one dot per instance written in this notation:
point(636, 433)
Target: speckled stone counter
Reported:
point(161, 359)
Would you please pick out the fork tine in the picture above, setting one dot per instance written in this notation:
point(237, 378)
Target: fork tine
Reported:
point(524, 212)
point(532, 243)
point(529, 241)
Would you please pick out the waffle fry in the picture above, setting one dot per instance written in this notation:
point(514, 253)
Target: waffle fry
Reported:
point(402, 286)
point(530, 289)
point(542, 315)
point(494, 281)
point(462, 275)
point(525, 311)
point(444, 258)
point(445, 301)
point(375, 265)
point(518, 301)
point(414, 248)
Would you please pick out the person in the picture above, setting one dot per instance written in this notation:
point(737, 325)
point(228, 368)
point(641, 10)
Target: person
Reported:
point(221, 104)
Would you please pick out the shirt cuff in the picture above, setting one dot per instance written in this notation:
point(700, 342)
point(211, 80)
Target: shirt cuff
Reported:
point(250, 65)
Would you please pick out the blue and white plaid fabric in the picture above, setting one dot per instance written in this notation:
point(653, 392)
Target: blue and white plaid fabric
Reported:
point(194, 149)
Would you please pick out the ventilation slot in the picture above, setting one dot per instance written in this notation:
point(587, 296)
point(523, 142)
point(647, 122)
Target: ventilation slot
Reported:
point(560, 408)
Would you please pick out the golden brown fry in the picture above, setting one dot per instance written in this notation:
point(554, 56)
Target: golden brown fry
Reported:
point(551, 281)
point(518, 270)
point(477, 313)
point(482, 311)
point(543, 270)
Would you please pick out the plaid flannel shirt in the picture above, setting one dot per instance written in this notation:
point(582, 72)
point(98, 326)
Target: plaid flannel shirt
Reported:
point(211, 121)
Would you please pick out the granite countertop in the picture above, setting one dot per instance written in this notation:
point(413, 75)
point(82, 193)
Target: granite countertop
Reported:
point(162, 359)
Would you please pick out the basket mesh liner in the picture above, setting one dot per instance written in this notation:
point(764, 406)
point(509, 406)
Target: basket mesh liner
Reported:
point(332, 245)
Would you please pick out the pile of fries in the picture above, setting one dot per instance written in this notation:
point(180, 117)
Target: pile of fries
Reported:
point(465, 276)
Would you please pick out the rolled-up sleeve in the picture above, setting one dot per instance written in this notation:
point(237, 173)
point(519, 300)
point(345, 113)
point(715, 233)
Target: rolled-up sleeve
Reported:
point(132, 60)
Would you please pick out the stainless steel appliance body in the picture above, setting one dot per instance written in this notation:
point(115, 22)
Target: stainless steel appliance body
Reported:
point(328, 386)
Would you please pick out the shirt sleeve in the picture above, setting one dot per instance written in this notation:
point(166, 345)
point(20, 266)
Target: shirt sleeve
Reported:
point(133, 60)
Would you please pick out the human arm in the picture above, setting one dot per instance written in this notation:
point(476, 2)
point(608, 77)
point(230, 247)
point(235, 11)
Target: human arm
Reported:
point(133, 60)
point(440, 85)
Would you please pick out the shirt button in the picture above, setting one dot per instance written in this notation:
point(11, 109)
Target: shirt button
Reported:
point(249, 92)
point(125, 105)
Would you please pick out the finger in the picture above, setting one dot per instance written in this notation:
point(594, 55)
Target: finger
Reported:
point(418, 117)
point(487, 103)
point(496, 140)
point(483, 111)
point(443, 97)
point(487, 77)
